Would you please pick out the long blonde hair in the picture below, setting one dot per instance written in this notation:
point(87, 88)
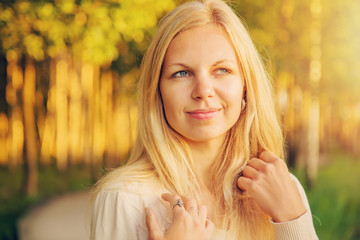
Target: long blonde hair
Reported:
point(161, 153)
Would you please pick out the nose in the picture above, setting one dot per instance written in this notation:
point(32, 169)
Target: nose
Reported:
point(203, 87)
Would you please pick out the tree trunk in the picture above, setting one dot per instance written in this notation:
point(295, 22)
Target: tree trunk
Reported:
point(312, 158)
point(62, 139)
point(31, 171)
point(3, 82)
point(4, 121)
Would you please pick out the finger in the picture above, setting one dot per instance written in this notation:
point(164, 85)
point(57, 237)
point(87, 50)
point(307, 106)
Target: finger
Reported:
point(258, 164)
point(276, 161)
point(190, 206)
point(209, 228)
point(203, 214)
point(194, 211)
point(169, 197)
point(172, 199)
point(250, 172)
point(268, 156)
point(152, 224)
point(244, 183)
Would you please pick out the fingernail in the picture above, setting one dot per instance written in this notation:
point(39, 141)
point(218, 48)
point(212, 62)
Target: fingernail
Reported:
point(164, 195)
point(147, 211)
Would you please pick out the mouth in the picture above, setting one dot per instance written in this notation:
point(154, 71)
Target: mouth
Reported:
point(203, 114)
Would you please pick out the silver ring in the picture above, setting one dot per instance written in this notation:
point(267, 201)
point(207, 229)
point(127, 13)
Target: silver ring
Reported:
point(195, 208)
point(178, 203)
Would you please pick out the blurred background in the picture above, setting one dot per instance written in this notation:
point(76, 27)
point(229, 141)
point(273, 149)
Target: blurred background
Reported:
point(68, 74)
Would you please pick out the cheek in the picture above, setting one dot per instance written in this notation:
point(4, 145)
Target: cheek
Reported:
point(234, 94)
point(166, 98)
point(170, 101)
point(234, 97)
point(172, 111)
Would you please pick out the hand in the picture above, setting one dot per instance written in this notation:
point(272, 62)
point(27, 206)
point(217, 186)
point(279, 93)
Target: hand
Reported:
point(268, 181)
point(188, 222)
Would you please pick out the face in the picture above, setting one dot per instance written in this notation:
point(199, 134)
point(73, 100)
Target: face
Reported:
point(201, 84)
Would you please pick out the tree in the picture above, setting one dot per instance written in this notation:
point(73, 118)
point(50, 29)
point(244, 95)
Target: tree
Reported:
point(71, 35)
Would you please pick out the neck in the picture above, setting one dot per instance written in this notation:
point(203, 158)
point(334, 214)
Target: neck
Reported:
point(204, 155)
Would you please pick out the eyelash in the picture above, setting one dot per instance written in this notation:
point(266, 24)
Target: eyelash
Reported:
point(223, 72)
point(223, 69)
point(174, 75)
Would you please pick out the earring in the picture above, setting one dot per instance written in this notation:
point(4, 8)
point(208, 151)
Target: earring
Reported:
point(243, 104)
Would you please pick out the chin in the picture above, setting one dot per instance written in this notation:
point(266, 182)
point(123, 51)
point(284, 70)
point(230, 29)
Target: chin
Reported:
point(204, 137)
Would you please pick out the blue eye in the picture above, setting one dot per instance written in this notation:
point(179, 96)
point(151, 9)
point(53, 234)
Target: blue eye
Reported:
point(221, 71)
point(180, 74)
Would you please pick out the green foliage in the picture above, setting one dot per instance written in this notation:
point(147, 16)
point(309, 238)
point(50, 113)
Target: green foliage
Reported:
point(91, 31)
point(341, 50)
point(335, 199)
point(103, 31)
point(282, 31)
point(280, 28)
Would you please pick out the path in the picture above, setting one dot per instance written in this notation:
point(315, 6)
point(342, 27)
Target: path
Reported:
point(64, 217)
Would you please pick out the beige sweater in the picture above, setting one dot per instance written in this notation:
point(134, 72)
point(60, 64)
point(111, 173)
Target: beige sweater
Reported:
point(119, 214)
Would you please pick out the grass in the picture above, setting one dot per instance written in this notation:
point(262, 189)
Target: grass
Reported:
point(335, 198)
point(51, 182)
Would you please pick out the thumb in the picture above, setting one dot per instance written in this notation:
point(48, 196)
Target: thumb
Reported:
point(152, 224)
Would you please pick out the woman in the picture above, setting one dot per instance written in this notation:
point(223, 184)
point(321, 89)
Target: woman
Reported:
point(208, 137)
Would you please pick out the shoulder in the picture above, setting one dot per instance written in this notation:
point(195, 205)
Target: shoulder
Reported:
point(137, 187)
point(301, 190)
point(300, 228)
point(133, 196)
point(118, 209)
point(296, 180)
point(128, 186)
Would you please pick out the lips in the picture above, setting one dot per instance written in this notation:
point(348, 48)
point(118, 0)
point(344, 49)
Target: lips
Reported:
point(203, 114)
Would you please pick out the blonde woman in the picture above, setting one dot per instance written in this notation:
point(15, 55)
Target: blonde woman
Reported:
point(207, 160)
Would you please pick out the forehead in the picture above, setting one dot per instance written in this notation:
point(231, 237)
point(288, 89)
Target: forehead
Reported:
point(197, 43)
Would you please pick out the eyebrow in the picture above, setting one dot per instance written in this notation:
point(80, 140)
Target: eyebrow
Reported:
point(222, 61)
point(179, 64)
point(215, 64)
